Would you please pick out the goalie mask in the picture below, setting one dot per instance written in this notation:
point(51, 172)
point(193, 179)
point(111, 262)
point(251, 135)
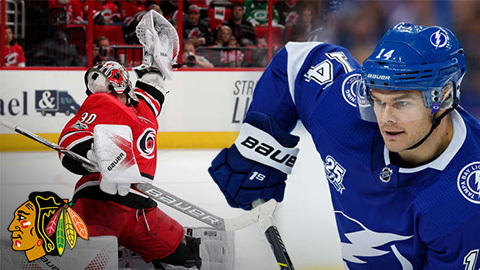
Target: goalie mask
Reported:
point(109, 76)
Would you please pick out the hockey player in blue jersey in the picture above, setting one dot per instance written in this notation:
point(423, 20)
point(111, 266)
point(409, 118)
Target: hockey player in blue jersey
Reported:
point(400, 154)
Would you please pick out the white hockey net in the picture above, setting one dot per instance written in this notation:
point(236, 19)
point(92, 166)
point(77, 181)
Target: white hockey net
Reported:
point(160, 42)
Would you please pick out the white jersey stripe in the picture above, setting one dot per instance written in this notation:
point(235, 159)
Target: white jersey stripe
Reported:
point(297, 53)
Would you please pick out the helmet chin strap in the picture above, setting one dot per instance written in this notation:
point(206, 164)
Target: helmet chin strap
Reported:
point(435, 124)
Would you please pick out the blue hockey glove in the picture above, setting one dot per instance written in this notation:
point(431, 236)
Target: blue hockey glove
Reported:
point(256, 166)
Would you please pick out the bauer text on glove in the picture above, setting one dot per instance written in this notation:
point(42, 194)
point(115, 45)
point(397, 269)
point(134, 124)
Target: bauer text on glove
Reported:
point(256, 166)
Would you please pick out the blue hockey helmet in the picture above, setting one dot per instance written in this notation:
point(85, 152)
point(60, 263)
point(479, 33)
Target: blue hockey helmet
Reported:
point(413, 57)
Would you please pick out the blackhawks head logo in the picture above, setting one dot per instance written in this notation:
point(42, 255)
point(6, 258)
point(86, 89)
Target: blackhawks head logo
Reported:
point(44, 225)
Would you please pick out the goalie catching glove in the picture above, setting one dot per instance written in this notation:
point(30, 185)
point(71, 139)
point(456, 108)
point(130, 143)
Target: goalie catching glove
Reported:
point(114, 155)
point(256, 166)
point(160, 43)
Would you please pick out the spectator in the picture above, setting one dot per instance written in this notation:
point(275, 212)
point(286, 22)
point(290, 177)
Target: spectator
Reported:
point(105, 12)
point(303, 27)
point(260, 54)
point(195, 28)
point(12, 52)
point(223, 36)
point(56, 51)
point(256, 12)
point(73, 9)
point(190, 57)
point(242, 29)
point(170, 7)
point(131, 12)
point(156, 8)
point(232, 57)
point(101, 52)
point(290, 11)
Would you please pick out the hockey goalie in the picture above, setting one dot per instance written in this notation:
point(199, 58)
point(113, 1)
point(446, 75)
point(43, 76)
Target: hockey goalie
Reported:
point(116, 127)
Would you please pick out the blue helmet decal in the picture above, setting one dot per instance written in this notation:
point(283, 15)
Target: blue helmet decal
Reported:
point(439, 39)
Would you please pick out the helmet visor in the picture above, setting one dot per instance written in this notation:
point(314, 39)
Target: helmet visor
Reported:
point(394, 106)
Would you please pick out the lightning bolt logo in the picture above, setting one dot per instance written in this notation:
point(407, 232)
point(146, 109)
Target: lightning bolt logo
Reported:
point(367, 243)
point(358, 247)
point(438, 39)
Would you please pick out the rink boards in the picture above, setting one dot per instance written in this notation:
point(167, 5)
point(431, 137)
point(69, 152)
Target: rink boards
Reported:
point(202, 109)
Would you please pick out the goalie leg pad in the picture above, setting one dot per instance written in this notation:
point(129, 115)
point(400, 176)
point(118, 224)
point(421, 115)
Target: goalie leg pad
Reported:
point(217, 249)
point(187, 255)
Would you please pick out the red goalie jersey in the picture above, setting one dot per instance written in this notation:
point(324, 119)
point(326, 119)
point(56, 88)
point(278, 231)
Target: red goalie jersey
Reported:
point(134, 219)
point(104, 108)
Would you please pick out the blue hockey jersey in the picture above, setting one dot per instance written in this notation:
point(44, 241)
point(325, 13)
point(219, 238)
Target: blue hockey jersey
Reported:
point(388, 217)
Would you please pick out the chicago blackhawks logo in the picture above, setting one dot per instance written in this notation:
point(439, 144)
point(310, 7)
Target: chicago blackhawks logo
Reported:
point(468, 182)
point(44, 225)
point(146, 143)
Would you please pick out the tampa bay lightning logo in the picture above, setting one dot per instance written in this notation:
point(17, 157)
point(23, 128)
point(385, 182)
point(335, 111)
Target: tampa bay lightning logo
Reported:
point(349, 87)
point(468, 182)
point(361, 245)
point(439, 39)
point(146, 143)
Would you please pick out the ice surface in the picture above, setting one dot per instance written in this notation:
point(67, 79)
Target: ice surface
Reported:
point(305, 218)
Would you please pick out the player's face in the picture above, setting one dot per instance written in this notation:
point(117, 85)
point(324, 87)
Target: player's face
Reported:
point(402, 118)
point(24, 236)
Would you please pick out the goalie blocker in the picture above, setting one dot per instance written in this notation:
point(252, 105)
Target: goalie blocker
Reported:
point(256, 166)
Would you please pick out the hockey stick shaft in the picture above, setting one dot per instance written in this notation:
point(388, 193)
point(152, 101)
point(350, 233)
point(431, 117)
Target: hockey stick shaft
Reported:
point(275, 240)
point(45, 142)
point(163, 196)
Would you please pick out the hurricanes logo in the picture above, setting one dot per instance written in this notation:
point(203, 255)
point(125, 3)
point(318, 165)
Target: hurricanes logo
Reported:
point(468, 182)
point(146, 143)
point(438, 39)
point(10, 59)
point(194, 33)
point(44, 225)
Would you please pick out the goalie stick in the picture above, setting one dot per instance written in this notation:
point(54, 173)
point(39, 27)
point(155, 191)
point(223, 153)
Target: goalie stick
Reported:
point(273, 237)
point(164, 197)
